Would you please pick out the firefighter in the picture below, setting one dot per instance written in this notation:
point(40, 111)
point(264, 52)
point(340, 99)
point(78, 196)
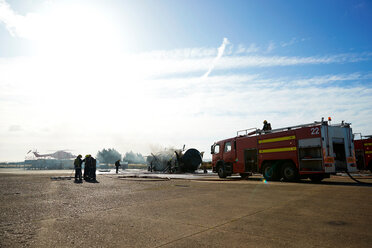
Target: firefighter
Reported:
point(77, 165)
point(87, 167)
point(266, 126)
point(93, 169)
point(117, 164)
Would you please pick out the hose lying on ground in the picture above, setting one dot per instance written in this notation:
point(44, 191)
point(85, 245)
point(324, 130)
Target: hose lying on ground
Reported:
point(61, 178)
point(356, 180)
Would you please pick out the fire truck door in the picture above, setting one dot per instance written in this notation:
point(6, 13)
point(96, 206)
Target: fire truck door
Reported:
point(228, 154)
point(250, 160)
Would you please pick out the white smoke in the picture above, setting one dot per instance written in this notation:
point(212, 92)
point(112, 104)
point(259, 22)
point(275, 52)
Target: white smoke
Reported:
point(221, 50)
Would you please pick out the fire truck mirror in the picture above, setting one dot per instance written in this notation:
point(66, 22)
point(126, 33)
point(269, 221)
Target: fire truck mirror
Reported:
point(216, 149)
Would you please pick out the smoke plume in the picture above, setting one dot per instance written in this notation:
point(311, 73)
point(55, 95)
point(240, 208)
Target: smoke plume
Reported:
point(221, 50)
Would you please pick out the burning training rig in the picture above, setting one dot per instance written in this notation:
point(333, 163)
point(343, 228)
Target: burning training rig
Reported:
point(175, 161)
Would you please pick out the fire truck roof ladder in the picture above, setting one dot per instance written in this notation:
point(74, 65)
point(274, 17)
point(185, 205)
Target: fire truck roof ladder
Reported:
point(257, 131)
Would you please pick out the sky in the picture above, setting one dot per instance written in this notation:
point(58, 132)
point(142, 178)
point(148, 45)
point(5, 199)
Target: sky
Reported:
point(146, 75)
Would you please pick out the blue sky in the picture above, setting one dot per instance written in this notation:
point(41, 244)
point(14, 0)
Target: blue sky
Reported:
point(155, 74)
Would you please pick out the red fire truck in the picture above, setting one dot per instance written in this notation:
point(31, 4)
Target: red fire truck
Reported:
point(313, 151)
point(363, 152)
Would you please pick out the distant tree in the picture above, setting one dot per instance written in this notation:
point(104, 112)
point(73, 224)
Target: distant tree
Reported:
point(134, 158)
point(108, 156)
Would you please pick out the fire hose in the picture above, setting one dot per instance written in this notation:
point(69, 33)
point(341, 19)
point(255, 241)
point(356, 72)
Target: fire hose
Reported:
point(356, 180)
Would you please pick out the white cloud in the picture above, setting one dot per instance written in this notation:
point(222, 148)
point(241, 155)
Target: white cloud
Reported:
point(268, 61)
point(270, 47)
point(289, 43)
point(177, 63)
point(252, 48)
point(19, 25)
point(326, 79)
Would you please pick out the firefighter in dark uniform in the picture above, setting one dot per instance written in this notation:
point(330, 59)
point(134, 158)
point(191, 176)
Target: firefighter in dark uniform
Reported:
point(117, 164)
point(267, 126)
point(93, 169)
point(87, 167)
point(77, 166)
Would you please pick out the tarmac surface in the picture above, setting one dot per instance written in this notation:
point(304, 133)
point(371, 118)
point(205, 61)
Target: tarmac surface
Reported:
point(135, 209)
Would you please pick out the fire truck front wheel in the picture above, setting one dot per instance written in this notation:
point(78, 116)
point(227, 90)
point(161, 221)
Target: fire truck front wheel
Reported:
point(289, 172)
point(221, 171)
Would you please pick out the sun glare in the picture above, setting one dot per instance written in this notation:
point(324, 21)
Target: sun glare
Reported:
point(78, 31)
point(80, 65)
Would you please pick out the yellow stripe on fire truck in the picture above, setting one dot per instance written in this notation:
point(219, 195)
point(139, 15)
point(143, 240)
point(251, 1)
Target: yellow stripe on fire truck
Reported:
point(367, 144)
point(284, 149)
point(276, 139)
point(368, 152)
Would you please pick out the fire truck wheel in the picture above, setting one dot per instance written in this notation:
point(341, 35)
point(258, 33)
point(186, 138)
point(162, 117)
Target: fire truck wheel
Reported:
point(289, 172)
point(270, 173)
point(222, 171)
point(317, 178)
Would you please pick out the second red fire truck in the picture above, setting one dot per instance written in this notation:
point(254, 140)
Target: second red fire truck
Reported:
point(363, 150)
point(313, 150)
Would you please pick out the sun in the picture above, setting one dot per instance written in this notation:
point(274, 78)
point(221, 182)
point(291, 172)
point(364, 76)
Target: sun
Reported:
point(81, 31)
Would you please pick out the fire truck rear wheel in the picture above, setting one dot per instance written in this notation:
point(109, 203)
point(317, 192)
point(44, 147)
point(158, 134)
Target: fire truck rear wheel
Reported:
point(270, 173)
point(289, 172)
point(222, 171)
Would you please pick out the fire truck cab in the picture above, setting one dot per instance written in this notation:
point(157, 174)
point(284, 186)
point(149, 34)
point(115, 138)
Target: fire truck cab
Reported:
point(363, 151)
point(313, 151)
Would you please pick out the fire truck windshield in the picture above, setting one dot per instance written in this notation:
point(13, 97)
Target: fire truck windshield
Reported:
point(227, 146)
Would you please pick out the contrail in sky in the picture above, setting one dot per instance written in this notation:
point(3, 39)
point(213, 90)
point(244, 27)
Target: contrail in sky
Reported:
point(221, 50)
